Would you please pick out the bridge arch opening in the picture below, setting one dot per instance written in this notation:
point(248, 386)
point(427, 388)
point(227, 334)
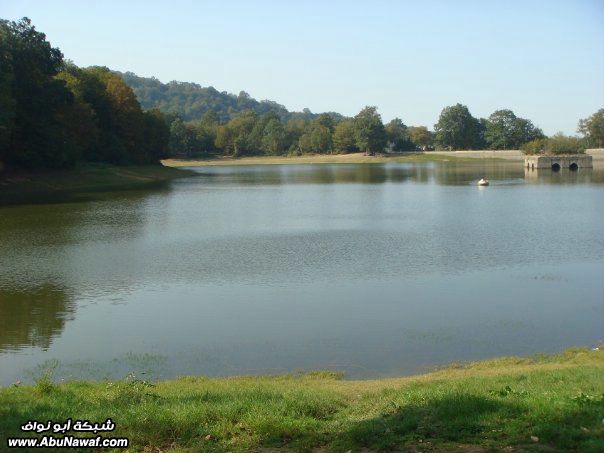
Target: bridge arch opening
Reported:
point(573, 167)
point(555, 166)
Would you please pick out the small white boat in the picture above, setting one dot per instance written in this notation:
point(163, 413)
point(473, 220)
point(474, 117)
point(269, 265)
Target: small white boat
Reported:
point(483, 182)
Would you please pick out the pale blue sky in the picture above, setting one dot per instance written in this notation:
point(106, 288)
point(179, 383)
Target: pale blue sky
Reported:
point(542, 59)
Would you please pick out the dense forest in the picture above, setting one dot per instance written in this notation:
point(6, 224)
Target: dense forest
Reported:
point(54, 114)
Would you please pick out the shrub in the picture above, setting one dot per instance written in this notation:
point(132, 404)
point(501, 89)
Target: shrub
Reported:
point(558, 144)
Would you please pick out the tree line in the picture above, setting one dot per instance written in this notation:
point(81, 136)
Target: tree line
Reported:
point(54, 114)
point(249, 133)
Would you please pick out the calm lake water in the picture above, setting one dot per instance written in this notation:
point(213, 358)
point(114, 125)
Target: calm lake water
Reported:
point(373, 270)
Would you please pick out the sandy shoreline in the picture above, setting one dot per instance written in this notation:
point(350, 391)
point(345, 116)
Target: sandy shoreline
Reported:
point(360, 158)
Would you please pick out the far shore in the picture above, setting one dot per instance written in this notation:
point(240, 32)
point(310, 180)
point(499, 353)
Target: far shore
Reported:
point(361, 158)
point(352, 158)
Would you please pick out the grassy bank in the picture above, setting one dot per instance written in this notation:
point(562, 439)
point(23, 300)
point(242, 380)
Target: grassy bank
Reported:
point(47, 185)
point(354, 158)
point(543, 403)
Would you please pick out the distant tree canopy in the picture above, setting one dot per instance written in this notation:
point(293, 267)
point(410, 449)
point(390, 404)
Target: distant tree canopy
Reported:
point(369, 131)
point(191, 101)
point(35, 104)
point(421, 137)
point(458, 129)
point(54, 114)
point(504, 130)
point(592, 128)
point(398, 136)
point(344, 140)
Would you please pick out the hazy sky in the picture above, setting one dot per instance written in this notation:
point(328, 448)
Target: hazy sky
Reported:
point(542, 59)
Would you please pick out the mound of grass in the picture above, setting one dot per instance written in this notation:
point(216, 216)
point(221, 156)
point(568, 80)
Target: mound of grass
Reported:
point(541, 403)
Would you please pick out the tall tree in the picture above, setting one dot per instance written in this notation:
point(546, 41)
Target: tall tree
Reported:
point(294, 129)
point(273, 138)
point(504, 130)
point(500, 128)
point(320, 138)
point(457, 128)
point(181, 142)
point(156, 134)
point(593, 128)
point(421, 137)
point(369, 131)
point(36, 109)
point(317, 139)
point(235, 137)
point(255, 138)
point(225, 139)
point(7, 99)
point(210, 119)
point(344, 140)
point(326, 120)
point(128, 117)
point(398, 136)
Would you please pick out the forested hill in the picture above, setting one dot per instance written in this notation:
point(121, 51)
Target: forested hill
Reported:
point(190, 100)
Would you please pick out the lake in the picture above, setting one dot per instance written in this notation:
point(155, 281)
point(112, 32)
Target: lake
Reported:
point(372, 270)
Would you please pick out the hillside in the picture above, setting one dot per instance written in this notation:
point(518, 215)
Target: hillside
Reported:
point(190, 100)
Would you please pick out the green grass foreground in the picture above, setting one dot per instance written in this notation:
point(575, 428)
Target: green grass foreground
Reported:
point(544, 403)
point(86, 178)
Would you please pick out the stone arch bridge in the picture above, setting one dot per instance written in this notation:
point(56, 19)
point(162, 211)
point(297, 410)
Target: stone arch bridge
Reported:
point(555, 163)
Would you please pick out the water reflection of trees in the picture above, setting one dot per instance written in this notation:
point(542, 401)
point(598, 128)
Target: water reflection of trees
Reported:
point(33, 316)
point(565, 176)
point(319, 174)
point(444, 173)
point(51, 253)
point(459, 173)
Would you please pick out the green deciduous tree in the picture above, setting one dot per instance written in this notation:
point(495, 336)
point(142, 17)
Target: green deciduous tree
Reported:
point(238, 136)
point(421, 137)
point(225, 139)
point(398, 136)
point(53, 114)
point(369, 131)
point(326, 120)
point(457, 128)
point(504, 130)
point(181, 142)
point(344, 140)
point(593, 128)
point(35, 101)
point(295, 128)
point(273, 138)
point(7, 99)
point(320, 138)
point(317, 139)
point(156, 133)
